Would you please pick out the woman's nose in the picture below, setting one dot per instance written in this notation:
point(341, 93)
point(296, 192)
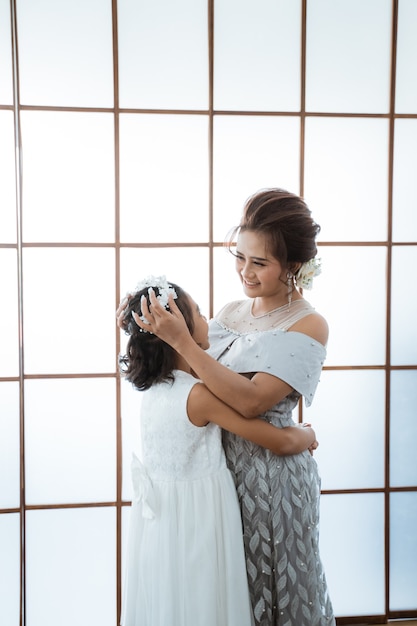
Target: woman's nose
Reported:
point(246, 270)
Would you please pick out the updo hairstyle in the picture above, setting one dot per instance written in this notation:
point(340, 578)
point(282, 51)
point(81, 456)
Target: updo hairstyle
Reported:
point(285, 220)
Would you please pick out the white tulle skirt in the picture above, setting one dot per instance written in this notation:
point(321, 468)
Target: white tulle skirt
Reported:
point(185, 556)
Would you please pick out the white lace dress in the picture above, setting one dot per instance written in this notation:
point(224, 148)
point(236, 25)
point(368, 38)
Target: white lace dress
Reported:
point(185, 556)
point(279, 496)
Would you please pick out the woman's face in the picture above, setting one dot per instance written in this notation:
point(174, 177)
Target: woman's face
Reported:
point(261, 274)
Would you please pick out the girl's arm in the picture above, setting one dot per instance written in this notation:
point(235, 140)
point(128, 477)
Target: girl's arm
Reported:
point(204, 407)
point(249, 397)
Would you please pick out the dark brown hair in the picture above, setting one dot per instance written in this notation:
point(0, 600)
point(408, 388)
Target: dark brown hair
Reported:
point(285, 220)
point(148, 359)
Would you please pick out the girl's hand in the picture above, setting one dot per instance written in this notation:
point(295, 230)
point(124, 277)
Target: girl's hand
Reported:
point(315, 443)
point(169, 325)
point(313, 447)
point(120, 311)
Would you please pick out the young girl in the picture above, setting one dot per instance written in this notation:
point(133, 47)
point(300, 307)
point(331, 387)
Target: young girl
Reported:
point(267, 351)
point(185, 559)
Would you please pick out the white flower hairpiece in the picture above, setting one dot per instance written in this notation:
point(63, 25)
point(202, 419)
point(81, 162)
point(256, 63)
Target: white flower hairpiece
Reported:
point(306, 273)
point(165, 290)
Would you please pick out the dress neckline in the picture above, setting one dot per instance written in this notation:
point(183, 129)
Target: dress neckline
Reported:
point(279, 308)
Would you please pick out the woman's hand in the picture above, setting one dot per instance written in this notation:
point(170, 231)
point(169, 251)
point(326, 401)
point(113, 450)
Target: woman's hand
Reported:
point(170, 326)
point(121, 309)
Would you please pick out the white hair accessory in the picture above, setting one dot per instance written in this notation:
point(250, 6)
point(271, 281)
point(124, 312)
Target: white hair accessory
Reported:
point(164, 288)
point(306, 273)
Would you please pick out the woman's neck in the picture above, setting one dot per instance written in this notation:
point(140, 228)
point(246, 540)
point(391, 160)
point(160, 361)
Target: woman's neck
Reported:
point(263, 306)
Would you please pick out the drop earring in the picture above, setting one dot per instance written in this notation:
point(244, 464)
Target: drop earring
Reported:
point(290, 287)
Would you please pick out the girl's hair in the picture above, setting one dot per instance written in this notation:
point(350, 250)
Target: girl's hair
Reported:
point(285, 220)
point(148, 359)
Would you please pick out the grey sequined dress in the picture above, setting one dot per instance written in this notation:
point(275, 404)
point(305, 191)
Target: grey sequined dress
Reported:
point(279, 496)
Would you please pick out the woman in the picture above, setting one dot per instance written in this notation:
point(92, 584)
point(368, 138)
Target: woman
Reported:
point(266, 352)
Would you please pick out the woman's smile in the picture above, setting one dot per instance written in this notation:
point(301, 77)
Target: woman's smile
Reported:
point(249, 283)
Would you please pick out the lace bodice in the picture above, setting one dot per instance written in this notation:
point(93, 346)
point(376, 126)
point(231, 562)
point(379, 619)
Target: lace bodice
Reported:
point(172, 447)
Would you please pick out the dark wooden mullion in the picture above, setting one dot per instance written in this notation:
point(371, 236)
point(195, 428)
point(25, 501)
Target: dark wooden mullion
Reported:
point(387, 509)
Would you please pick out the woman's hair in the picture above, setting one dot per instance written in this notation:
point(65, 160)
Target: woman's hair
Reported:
point(285, 220)
point(148, 359)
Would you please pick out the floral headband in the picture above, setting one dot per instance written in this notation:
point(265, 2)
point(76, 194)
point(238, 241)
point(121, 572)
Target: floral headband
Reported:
point(164, 288)
point(306, 273)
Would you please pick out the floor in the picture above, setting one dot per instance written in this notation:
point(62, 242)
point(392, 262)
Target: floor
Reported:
point(394, 623)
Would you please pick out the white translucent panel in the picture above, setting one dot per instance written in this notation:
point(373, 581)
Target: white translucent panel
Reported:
point(125, 530)
point(9, 569)
point(125, 533)
point(403, 553)
point(226, 282)
point(348, 415)
point(71, 567)
point(164, 178)
point(9, 314)
point(251, 153)
point(68, 182)
point(352, 551)
point(187, 267)
point(9, 446)
point(131, 406)
point(70, 440)
point(346, 177)
point(403, 431)
point(348, 56)
point(6, 80)
point(406, 84)
point(257, 55)
point(404, 223)
point(351, 294)
point(69, 310)
point(65, 52)
point(403, 309)
point(8, 228)
point(163, 54)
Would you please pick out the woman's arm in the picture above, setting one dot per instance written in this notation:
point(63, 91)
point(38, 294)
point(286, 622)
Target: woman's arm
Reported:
point(249, 397)
point(204, 407)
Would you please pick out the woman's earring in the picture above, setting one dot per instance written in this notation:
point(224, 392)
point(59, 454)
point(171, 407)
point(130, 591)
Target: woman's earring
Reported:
point(290, 287)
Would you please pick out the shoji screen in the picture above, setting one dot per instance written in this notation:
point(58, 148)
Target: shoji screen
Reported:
point(131, 133)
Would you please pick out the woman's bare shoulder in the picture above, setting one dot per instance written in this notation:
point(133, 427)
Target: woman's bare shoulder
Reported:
point(314, 325)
